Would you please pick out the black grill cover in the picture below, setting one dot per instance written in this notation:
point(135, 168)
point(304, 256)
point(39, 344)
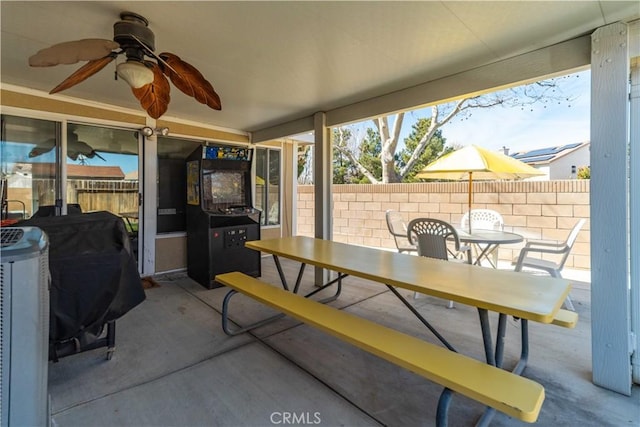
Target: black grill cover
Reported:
point(94, 277)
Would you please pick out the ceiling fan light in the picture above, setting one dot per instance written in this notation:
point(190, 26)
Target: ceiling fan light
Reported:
point(134, 73)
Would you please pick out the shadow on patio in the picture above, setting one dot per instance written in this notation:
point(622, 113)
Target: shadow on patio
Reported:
point(174, 366)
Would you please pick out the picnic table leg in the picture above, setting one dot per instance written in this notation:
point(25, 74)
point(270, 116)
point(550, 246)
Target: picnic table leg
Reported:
point(283, 279)
point(524, 349)
point(486, 336)
point(333, 297)
point(496, 357)
point(499, 353)
point(486, 417)
point(225, 302)
point(421, 318)
point(225, 318)
point(442, 414)
point(490, 355)
point(299, 278)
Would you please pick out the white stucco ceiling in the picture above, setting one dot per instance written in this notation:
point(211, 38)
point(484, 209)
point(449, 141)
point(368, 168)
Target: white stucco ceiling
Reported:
point(273, 62)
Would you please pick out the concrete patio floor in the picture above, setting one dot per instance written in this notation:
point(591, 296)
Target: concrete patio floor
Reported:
point(173, 365)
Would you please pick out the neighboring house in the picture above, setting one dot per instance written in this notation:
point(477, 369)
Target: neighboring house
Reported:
point(560, 162)
point(46, 170)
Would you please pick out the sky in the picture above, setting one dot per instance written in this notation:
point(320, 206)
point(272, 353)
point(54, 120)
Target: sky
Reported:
point(532, 127)
point(521, 128)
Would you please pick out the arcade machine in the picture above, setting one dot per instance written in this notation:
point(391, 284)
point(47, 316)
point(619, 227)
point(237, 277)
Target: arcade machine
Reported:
point(220, 216)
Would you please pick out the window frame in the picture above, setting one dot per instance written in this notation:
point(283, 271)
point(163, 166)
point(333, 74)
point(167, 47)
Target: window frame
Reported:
point(264, 195)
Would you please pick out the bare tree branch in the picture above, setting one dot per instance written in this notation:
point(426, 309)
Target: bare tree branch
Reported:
point(358, 165)
point(539, 92)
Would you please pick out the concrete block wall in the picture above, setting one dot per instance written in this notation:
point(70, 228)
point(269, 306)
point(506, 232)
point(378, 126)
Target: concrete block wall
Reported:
point(535, 209)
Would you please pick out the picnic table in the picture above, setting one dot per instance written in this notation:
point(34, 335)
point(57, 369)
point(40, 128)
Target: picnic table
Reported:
point(507, 293)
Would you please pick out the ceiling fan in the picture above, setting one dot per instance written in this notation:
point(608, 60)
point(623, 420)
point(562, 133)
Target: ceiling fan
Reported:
point(133, 38)
point(76, 149)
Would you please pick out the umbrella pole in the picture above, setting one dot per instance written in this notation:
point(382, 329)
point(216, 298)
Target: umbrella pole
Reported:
point(470, 190)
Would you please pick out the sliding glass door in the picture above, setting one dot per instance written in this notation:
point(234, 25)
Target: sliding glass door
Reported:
point(29, 152)
point(100, 171)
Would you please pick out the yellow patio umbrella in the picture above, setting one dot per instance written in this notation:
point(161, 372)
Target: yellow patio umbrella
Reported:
point(473, 162)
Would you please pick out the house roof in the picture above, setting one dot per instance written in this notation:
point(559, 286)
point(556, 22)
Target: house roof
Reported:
point(549, 154)
point(76, 171)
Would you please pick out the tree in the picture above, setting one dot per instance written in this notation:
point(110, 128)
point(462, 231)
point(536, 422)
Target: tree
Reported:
point(367, 158)
point(305, 169)
point(434, 148)
point(584, 172)
point(402, 166)
point(344, 170)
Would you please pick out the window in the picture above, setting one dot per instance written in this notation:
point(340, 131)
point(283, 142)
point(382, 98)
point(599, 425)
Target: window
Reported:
point(102, 167)
point(102, 170)
point(29, 167)
point(172, 183)
point(268, 185)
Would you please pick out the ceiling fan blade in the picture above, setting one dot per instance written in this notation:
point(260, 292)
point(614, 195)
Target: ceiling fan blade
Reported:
point(189, 80)
point(72, 52)
point(42, 147)
point(76, 148)
point(154, 97)
point(84, 72)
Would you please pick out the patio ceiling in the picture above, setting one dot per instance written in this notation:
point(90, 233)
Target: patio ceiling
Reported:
point(275, 62)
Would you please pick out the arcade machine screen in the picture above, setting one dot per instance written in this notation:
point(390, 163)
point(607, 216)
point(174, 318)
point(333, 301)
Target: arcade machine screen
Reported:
point(223, 188)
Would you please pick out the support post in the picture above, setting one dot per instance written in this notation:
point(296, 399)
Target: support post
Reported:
point(322, 179)
point(634, 196)
point(610, 304)
point(148, 164)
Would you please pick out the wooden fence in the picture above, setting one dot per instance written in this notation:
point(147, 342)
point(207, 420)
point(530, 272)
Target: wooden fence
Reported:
point(104, 195)
point(92, 195)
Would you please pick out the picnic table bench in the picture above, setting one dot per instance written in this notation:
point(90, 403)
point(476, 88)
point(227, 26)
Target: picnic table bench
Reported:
point(512, 394)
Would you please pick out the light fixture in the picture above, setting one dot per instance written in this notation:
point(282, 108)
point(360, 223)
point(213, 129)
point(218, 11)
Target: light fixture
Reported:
point(147, 131)
point(134, 73)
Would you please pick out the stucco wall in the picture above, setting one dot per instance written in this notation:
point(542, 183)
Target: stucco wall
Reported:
point(535, 209)
point(561, 168)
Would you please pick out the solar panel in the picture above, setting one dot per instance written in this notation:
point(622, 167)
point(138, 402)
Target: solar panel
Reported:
point(570, 146)
point(542, 152)
point(542, 158)
point(539, 158)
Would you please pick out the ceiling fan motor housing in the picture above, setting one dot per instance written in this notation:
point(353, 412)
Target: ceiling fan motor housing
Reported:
point(130, 27)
